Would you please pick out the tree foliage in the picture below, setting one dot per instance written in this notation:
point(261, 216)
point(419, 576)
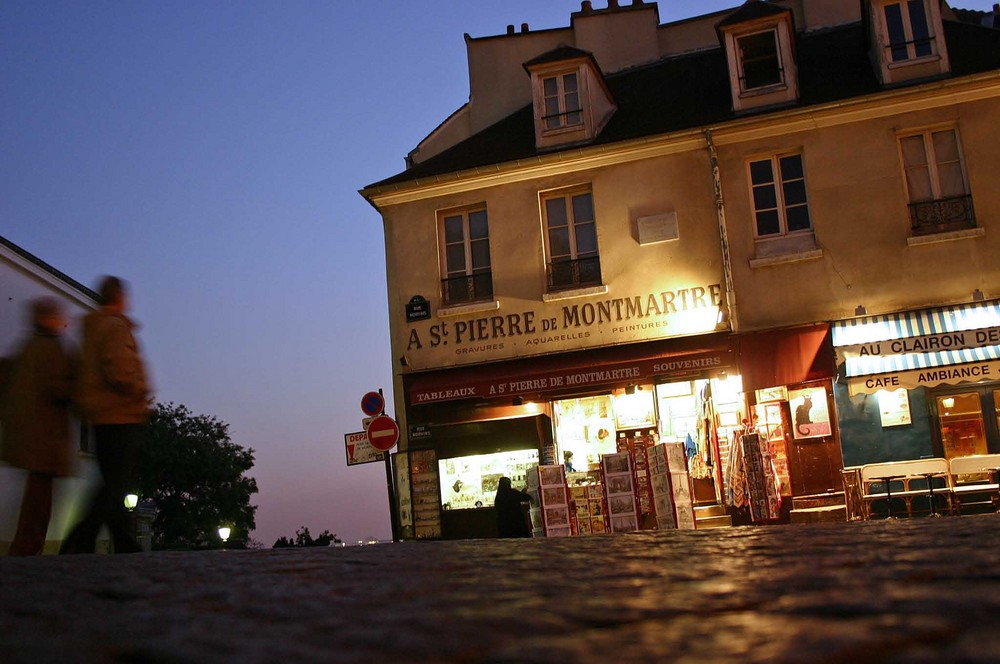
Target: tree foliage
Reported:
point(304, 538)
point(196, 476)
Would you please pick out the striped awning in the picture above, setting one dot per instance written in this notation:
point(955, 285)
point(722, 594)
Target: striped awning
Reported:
point(910, 343)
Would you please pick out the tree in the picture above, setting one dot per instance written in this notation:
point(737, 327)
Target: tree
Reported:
point(196, 476)
point(304, 538)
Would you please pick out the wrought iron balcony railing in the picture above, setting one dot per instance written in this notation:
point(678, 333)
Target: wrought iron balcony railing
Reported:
point(564, 274)
point(942, 215)
point(467, 288)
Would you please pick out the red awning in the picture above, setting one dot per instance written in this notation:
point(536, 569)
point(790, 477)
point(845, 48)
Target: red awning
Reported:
point(785, 357)
point(577, 370)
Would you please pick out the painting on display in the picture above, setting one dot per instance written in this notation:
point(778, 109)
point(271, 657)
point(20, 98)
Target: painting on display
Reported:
point(810, 415)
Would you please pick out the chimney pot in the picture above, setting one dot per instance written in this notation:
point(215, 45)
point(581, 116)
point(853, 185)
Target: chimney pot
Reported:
point(524, 27)
point(586, 7)
point(510, 29)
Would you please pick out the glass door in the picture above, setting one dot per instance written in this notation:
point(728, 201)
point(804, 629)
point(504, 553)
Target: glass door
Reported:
point(962, 426)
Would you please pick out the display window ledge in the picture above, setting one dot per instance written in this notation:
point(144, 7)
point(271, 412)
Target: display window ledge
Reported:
point(473, 308)
point(934, 238)
point(569, 294)
point(781, 259)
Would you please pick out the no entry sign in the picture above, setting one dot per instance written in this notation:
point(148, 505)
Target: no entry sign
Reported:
point(383, 433)
point(372, 404)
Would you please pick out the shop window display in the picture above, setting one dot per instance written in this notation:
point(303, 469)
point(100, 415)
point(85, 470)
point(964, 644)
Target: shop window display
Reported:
point(471, 482)
point(585, 429)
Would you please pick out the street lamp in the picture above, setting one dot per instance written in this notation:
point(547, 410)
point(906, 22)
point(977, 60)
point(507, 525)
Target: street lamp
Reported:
point(224, 532)
point(131, 500)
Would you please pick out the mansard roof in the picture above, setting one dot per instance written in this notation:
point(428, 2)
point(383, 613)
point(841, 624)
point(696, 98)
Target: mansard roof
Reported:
point(751, 11)
point(691, 91)
point(559, 54)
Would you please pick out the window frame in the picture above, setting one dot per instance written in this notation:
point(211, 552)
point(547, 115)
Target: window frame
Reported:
point(741, 59)
point(561, 101)
point(574, 256)
point(910, 44)
point(470, 272)
point(939, 213)
point(778, 183)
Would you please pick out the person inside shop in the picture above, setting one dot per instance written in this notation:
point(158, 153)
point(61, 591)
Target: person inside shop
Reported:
point(568, 461)
point(512, 517)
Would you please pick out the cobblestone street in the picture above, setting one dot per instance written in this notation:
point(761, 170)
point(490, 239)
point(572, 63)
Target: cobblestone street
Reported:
point(925, 590)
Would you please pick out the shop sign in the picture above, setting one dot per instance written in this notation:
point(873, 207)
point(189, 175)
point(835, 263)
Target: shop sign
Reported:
point(575, 377)
point(810, 415)
point(359, 450)
point(948, 375)
point(767, 394)
point(929, 343)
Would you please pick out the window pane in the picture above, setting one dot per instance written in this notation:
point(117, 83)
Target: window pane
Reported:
point(478, 227)
point(759, 54)
point(945, 146)
point(559, 242)
point(918, 28)
point(764, 197)
point(791, 167)
point(914, 153)
point(586, 239)
point(798, 218)
point(550, 87)
point(583, 208)
point(456, 258)
point(555, 212)
point(569, 83)
point(952, 182)
point(453, 229)
point(480, 255)
point(767, 223)
point(761, 172)
point(794, 192)
point(918, 184)
point(897, 35)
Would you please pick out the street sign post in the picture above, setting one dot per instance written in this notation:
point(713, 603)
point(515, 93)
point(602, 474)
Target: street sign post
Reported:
point(383, 433)
point(359, 450)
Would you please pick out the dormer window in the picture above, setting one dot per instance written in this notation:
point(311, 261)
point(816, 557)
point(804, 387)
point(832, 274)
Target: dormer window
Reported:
point(760, 64)
point(760, 50)
point(906, 40)
point(571, 101)
point(562, 101)
point(907, 29)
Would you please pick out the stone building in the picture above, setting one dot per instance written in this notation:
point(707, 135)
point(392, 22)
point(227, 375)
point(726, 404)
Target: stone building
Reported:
point(779, 217)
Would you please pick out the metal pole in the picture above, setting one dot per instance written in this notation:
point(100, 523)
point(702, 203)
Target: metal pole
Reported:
point(393, 517)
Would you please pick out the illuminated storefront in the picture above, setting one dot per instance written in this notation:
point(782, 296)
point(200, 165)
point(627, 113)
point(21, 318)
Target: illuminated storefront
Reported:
point(919, 383)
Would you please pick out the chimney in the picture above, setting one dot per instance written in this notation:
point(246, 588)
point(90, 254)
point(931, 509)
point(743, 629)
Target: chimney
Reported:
point(524, 27)
point(612, 4)
point(586, 7)
point(510, 29)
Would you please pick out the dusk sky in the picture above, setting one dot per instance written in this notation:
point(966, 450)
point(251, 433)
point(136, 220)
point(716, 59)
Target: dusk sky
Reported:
point(210, 153)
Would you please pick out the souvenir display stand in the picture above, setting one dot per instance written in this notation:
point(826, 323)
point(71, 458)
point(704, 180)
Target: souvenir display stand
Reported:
point(638, 443)
point(671, 485)
point(426, 494)
point(618, 478)
point(550, 511)
point(588, 508)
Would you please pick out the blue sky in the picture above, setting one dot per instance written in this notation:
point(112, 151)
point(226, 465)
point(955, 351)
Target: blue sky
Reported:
point(210, 152)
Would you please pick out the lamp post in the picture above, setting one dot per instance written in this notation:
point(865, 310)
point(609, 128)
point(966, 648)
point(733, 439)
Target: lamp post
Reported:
point(131, 500)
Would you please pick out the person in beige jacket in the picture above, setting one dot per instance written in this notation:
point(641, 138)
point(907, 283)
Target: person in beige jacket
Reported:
point(35, 413)
point(113, 394)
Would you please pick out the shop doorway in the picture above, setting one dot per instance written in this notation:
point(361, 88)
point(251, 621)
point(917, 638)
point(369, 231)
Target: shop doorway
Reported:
point(967, 420)
point(815, 458)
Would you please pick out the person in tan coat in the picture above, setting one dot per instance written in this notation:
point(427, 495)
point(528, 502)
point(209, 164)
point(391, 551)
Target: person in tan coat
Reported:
point(113, 394)
point(36, 420)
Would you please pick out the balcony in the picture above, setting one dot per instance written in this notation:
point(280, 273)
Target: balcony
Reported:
point(467, 288)
point(565, 274)
point(942, 215)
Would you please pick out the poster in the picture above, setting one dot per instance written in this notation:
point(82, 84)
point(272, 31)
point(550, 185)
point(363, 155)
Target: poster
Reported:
point(894, 407)
point(810, 415)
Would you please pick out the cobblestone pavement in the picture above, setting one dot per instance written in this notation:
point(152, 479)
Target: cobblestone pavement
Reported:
point(925, 590)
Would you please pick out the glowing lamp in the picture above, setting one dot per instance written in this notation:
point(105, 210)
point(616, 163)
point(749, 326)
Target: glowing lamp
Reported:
point(131, 500)
point(224, 532)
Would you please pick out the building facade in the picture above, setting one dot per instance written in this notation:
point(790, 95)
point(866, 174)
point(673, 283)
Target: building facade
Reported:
point(775, 218)
point(24, 277)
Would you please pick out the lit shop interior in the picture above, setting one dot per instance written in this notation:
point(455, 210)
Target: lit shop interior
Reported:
point(703, 414)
